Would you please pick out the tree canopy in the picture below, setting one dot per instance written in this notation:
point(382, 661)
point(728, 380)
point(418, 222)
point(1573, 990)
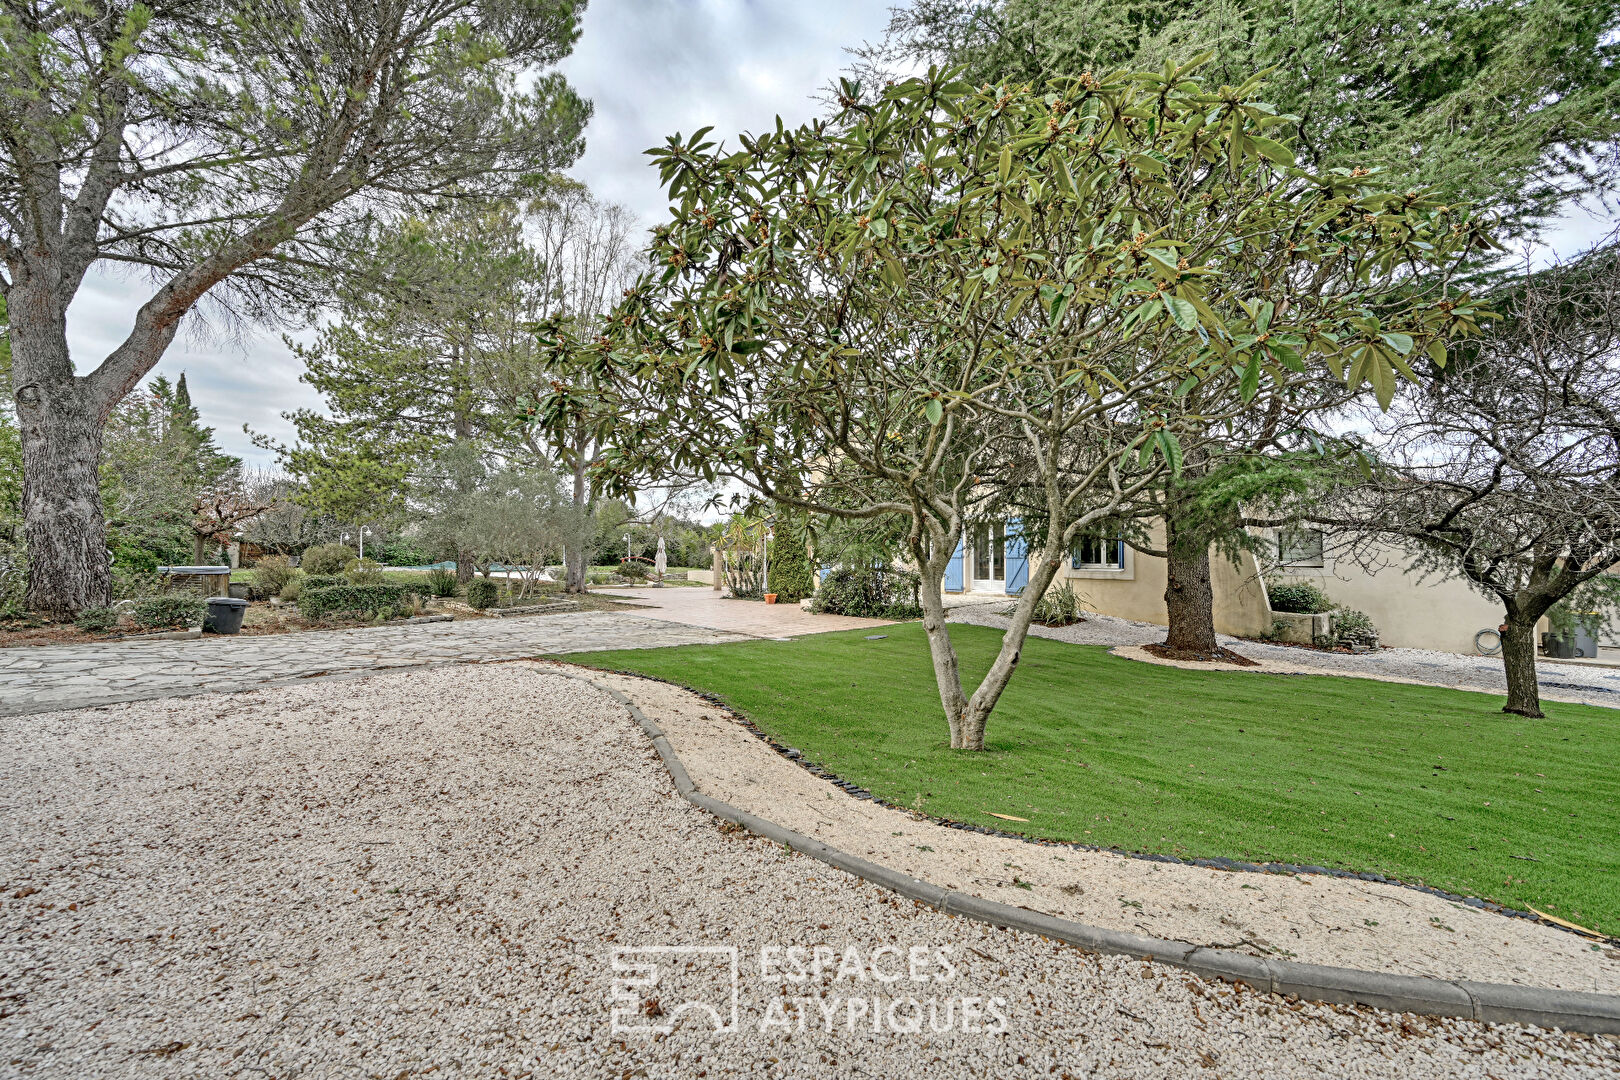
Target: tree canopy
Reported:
point(1510, 104)
point(948, 299)
point(239, 152)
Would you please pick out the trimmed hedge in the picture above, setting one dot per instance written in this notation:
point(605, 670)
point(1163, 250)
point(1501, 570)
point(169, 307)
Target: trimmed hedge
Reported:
point(362, 601)
point(175, 609)
point(1297, 598)
point(323, 581)
point(481, 593)
point(871, 593)
point(97, 620)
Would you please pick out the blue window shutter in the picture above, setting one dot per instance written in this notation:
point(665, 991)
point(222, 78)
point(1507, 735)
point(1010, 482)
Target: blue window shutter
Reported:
point(954, 569)
point(1017, 559)
point(1120, 553)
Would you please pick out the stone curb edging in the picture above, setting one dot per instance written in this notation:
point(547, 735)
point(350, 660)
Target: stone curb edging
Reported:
point(1214, 863)
point(1497, 1003)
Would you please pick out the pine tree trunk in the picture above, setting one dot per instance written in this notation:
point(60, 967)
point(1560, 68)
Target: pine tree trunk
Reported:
point(1189, 601)
point(68, 566)
point(1519, 665)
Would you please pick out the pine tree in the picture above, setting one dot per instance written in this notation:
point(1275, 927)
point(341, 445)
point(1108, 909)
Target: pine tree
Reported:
point(200, 456)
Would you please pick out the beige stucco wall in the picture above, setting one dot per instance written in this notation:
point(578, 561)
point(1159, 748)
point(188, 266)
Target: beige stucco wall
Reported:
point(1409, 610)
point(1137, 591)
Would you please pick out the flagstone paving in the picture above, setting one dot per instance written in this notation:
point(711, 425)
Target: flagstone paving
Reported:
point(47, 677)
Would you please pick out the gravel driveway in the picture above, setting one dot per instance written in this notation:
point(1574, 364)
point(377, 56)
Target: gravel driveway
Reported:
point(1588, 684)
point(427, 872)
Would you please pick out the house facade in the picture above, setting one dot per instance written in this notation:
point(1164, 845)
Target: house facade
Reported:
point(1410, 610)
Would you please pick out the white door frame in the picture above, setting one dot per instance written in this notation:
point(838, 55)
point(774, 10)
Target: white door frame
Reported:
point(996, 582)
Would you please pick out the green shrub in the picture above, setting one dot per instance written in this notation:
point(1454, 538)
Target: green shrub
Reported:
point(1059, 607)
point(326, 559)
point(181, 610)
point(355, 601)
point(97, 620)
point(791, 576)
point(130, 584)
point(271, 574)
point(1297, 597)
point(481, 593)
point(442, 583)
point(872, 592)
point(399, 551)
point(292, 590)
point(1352, 627)
point(635, 570)
point(363, 572)
point(323, 581)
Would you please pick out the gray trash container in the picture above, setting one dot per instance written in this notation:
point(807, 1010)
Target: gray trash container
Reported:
point(224, 615)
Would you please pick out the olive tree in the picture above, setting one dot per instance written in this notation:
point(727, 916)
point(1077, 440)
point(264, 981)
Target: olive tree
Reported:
point(947, 301)
point(245, 144)
point(1506, 470)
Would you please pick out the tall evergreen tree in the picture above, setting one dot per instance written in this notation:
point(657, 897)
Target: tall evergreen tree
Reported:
point(1510, 104)
point(1513, 105)
point(236, 150)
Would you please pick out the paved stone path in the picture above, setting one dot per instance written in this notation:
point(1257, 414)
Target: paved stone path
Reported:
point(708, 608)
point(46, 677)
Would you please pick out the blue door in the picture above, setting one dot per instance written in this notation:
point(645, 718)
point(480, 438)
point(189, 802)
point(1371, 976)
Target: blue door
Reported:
point(954, 580)
point(1017, 559)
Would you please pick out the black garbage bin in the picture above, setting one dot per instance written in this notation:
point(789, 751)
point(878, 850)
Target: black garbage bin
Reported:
point(224, 615)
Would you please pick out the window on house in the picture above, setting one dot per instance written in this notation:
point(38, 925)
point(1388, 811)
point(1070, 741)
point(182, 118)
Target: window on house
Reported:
point(1299, 547)
point(1098, 553)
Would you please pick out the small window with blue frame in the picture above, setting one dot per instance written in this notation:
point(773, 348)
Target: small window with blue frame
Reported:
point(1096, 552)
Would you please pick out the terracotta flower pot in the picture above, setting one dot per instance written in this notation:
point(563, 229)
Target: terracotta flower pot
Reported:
point(770, 598)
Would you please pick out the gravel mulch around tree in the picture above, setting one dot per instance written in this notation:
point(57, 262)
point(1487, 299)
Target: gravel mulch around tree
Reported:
point(427, 872)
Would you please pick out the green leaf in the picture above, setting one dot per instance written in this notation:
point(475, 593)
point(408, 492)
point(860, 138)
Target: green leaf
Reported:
point(934, 411)
point(1249, 385)
point(1170, 446)
point(1182, 311)
point(1275, 151)
point(1004, 169)
point(1383, 380)
point(1437, 352)
point(1286, 355)
point(1401, 343)
point(747, 348)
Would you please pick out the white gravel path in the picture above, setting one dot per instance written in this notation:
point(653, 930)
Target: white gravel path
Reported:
point(1580, 683)
point(424, 873)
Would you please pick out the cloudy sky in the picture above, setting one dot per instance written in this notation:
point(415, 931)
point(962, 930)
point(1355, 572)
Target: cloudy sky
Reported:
point(652, 68)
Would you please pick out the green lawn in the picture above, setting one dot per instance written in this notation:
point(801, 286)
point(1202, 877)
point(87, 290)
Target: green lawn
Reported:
point(1424, 785)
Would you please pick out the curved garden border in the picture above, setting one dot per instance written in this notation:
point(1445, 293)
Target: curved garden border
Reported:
point(1567, 1010)
point(1215, 863)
